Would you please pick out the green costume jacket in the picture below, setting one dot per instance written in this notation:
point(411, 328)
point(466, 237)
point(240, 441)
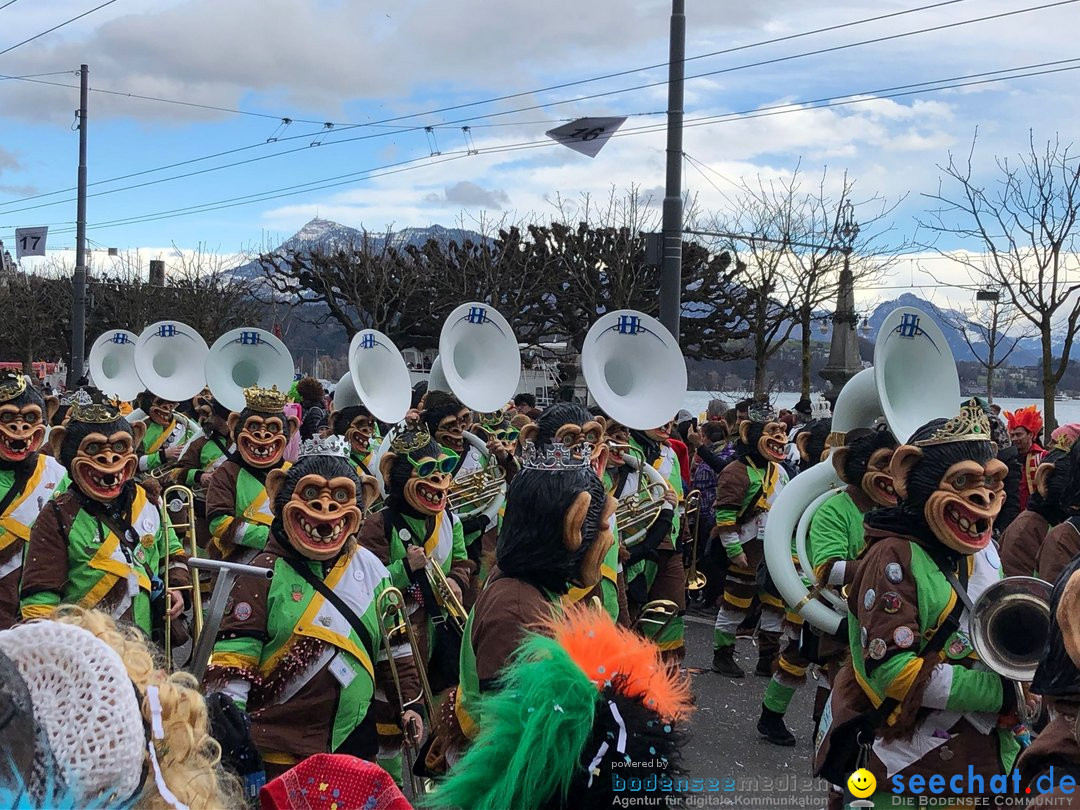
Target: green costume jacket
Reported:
point(238, 511)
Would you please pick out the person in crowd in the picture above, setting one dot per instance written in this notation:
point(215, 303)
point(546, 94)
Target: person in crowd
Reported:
point(313, 402)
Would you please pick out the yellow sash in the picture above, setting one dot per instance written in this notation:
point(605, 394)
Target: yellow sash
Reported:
point(165, 434)
point(13, 529)
point(114, 569)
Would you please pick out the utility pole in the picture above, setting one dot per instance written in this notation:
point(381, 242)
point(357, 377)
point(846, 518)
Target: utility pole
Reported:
point(671, 268)
point(78, 299)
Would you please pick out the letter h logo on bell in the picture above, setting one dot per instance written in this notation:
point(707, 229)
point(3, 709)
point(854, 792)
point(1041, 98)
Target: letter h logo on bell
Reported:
point(250, 338)
point(477, 315)
point(909, 326)
point(628, 324)
point(166, 330)
point(367, 341)
point(120, 338)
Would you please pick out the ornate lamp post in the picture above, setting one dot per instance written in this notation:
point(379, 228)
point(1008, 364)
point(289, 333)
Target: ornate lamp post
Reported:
point(844, 361)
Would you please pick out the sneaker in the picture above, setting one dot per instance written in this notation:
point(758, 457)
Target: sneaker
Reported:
point(723, 662)
point(771, 726)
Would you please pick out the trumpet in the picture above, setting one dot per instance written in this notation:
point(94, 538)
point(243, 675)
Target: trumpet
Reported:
point(639, 510)
point(695, 580)
point(453, 609)
point(183, 499)
point(393, 619)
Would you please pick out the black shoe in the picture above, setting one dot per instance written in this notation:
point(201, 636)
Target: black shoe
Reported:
point(723, 662)
point(771, 726)
point(764, 667)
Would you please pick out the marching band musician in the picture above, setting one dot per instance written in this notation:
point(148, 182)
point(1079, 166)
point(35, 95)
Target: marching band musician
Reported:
point(207, 452)
point(1062, 542)
point(237, 504)
point(28, 480)
point(745, 490)
point(356, 424)
point(101, 544)
point(165, 434)
point(301, 653)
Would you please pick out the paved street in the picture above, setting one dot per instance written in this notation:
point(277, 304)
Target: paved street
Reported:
point(725, 745)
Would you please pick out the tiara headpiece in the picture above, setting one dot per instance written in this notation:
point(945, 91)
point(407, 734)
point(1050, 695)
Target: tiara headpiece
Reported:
point(11, 386)
point(556, 456)
point(264, 400)
point(332, 445)
point(820, 408)
point(970, 425)
point(80, 396)
point(95, 413)
point(762, 412)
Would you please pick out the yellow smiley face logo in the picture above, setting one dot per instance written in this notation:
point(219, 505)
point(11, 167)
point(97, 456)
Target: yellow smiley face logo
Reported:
point(861, 784)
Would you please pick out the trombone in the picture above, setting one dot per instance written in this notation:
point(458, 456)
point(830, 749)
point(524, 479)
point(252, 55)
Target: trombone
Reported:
point(184, 500)
point(695, 580)
point(178, 498)
point(393, 619)
point(453, 609)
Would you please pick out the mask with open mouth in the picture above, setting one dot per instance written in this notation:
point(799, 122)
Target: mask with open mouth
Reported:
point(261, 431)
point(418, 473)
point(447, 419)
point(948, 475)
point(319, 504)
point(97, 446)
point(23, 414)
point(864, 462)
point(763, 442)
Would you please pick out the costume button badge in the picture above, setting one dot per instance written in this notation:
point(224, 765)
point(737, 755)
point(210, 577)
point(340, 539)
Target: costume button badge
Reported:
point(862, 637)
point(891, 602)
point(868, 598)
point(877, 649)
point(894, 573)
point(325, 621)
point(147, 540)
point(903, 637)
point(959, 646)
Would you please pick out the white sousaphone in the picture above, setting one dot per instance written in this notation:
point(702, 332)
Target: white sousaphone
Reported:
point(112, 364)
point(170, 359)
point(378, 376)
point(913, 381)
point(244, 357)
point(636, 373)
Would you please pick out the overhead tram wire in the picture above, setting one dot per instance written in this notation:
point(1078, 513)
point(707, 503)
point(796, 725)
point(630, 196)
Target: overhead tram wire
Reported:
point(423, 161)
point(55, 27)
point(8, 3)
point(346, 127)
point(865, 96)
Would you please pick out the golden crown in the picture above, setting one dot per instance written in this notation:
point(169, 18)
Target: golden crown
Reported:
point(1063, 441)
point(408, 441)
point(970, 425)
point(95, 413)
point(11, 386)
point(264, 400)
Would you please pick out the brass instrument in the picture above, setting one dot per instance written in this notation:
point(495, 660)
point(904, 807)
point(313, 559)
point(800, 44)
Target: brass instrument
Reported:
point(655, 617)
point(447, 599)
point(1010, 623)
point(480, 491)
point(393, 618)
point(639, 510)
point(183, 499)
point(695, 580)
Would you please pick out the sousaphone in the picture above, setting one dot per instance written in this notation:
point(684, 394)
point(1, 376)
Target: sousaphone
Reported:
point(913, 381)
point(112, 364)
point(245, 357)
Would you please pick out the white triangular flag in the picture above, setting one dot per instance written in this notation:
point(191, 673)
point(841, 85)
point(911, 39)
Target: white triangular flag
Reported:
point(586, 135)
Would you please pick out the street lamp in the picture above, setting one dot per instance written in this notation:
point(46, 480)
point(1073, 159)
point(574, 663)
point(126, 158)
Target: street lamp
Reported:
point(844, 360)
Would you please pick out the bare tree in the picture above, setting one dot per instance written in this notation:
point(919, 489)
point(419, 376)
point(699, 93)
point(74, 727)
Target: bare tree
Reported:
point(201, 293)
point(1024, 223)
point(36, 316)
point(990, 332)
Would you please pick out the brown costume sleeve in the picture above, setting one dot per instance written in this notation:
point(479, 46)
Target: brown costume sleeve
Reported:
point(221, 492)
point(240, 639)
point(505, 611)
point(190, 459)
point(1020, 544)
point(45, 568)
point(1062, 543)
point(372, 536)
point(731, 486)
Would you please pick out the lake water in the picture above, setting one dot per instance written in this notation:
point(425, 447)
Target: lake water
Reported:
point(1066, 411)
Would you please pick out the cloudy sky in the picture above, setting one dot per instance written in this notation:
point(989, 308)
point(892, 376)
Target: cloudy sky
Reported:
point(226, 72)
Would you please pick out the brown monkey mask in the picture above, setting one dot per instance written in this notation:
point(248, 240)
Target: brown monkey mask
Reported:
point(589, 569)
point(450, 432)
point(319, 504)
point(766, 440)
point(618, 438)
point(261, 437)
point(23, 416)
point(100, 457)
point(419, 472)
point(359, 434)
point(950, 475)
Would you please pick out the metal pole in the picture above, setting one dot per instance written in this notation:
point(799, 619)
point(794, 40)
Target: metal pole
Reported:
point(78, 301)
point(671, 268)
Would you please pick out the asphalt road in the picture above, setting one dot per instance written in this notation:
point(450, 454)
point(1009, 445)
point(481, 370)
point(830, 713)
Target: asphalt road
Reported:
point(725, 745)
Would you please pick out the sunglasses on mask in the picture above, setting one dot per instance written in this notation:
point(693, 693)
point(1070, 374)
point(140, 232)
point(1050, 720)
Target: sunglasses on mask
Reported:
point(507, 435)
point(429, 466)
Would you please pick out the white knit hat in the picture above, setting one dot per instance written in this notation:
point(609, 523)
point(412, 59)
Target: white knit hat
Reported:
point(87, 705)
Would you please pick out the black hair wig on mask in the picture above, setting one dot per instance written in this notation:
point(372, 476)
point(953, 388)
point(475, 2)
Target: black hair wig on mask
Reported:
point(554, 417)
point(861, 446)
point(817, 431)
point(344, 418)
point(1057, 675)
point(437, 407)
point(1070, 491)
point(76, 431)
point(530, 545)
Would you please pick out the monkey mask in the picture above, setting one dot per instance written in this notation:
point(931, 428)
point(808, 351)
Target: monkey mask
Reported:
point(160, 411)
point(763, 441)
point(618, 438)
point(948, 479)
point(319, 502)
point(571, 425)
point(418, 473)
point(357, 425)
point(557, 525)
point(496, 427)
point(447, 420)
point(23, 414)
point(810, 442)
point(97, 446)
point(864, 462)
point(261, 431)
